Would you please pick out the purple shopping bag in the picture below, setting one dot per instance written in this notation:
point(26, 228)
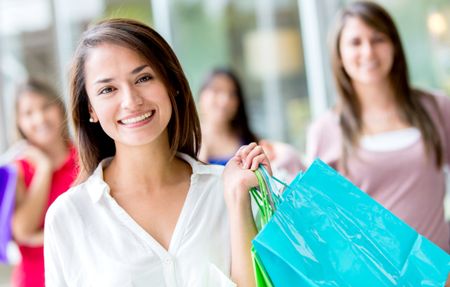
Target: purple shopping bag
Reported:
point(8, 177)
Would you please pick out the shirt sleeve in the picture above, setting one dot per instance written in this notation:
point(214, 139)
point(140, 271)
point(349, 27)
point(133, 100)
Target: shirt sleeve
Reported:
point(217, 278)
point(54, 273)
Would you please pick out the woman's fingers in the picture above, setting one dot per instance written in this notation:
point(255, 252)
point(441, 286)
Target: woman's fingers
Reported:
point(243, 153)
point(256, 151)
point(246, 149)
point(251, 156)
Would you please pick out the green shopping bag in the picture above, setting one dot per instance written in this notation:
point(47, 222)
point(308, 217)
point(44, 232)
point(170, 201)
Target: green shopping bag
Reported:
point(262, 278)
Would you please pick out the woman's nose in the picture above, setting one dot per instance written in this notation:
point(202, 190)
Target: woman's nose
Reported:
point(38, 117)
point(131, 98)
point(367, 48)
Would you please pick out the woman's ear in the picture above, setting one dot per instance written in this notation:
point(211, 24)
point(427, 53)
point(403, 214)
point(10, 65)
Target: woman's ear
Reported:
point(93, 116)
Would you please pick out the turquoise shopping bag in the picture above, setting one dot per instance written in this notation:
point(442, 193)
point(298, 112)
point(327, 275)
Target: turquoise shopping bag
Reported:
point(327, 232)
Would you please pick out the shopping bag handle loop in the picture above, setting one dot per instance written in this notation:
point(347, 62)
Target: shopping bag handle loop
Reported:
point(266, 195)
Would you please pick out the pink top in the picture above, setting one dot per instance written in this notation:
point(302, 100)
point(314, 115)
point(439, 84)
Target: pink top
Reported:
point(30, 271)
point(405, 181)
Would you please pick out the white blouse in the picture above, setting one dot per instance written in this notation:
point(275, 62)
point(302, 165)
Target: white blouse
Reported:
point(91, 241)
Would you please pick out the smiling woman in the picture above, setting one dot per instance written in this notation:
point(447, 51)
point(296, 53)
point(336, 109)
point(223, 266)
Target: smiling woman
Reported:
point(390, 139)
point(146, 211)
point(129, 99)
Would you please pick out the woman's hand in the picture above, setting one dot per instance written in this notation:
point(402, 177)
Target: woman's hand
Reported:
point(239, 177)
point(37, 158)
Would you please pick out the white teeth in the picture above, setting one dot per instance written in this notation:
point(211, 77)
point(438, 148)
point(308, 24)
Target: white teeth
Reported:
point(137, 119)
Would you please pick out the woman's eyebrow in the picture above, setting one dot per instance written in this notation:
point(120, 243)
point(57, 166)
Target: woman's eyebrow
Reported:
point(138, 69)
point(134, 71)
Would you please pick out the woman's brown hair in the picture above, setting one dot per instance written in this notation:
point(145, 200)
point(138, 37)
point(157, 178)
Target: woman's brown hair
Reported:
point(183, 128)
point(408, 100)
point(46, 91)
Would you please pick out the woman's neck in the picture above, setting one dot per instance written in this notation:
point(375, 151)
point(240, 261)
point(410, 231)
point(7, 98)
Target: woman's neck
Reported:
point(379, 109)
point(378, 97)
point(144, 168)
point(217, 129)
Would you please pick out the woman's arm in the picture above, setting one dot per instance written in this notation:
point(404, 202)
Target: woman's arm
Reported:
point(29, 212)
point(238, 178)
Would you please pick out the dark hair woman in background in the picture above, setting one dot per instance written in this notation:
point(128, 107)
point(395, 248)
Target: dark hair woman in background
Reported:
point(225, 126)
point(224, 120)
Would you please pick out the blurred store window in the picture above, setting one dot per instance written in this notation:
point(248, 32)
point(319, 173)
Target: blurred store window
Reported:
point(261, 40)
point(278, 47)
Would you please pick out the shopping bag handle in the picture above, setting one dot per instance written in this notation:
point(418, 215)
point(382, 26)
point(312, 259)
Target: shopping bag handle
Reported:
point(266, 195)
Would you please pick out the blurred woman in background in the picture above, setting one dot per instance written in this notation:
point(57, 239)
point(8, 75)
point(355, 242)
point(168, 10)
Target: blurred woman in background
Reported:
point(224, 119)
point(225, 125)
point(46, 169)
point(388, 138)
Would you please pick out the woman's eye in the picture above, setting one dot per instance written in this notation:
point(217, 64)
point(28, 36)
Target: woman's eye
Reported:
point(144, 79)
point(378, 39)
point(355, 42)
point(106, 90)
point(47, 106)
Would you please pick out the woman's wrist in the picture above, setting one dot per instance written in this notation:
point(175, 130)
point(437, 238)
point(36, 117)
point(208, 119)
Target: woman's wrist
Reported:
point(44, 167)
point(237, 197)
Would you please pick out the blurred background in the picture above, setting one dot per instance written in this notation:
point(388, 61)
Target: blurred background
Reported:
point(278, 47)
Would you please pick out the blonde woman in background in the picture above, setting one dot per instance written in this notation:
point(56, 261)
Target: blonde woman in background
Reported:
point(46, 169)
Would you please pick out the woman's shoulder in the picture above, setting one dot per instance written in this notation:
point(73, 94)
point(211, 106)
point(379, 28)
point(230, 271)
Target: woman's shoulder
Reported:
point(199, 167)
point(208, 174)
point(324, 138)
point(70, 203)
point(325, 127)
point(433, 99)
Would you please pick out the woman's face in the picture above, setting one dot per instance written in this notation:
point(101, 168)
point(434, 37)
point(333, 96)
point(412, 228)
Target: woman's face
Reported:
point(219, 101)
point(40, 120)
point(127, 97)
point(366, 54)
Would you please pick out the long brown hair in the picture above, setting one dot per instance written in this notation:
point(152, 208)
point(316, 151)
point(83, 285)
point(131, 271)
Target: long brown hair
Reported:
point(46, 91)
point(183, 128)
point(239, 123)
point(408, 100)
